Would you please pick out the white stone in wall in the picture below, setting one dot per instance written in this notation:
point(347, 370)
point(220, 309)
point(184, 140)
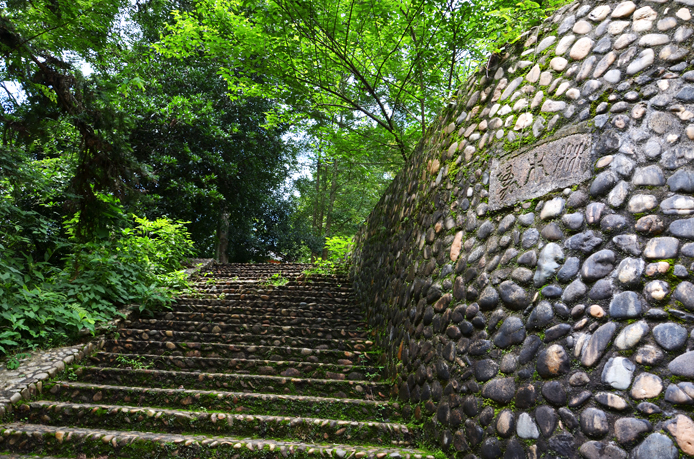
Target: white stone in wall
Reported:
point(511, 88)
point(526, 427)
point(524, 121)
point(495, 123)
point(469, 150)
point(499, 73)
point(581, 48)
point(562, 88)
point(625, 40)
point(582, 27)
point(684, 14)
point(673, 53)
point(646, 13)
point(666, 24)
point(573, 93)
point(619, 193)
point(564, 44)
point(604, 64)
point(537, 100)
point(546, 43)
point(553, 106)
point(545, 78)
point(678, 205)
point(642, 203)
point(617, 27)
point(682, 34)
point(654, 39)
point(599, 13)
point(618, 372)
point(631, 335)
point(558, 64)
point(644, 60)
point(552, 209)
point(624, 9)
point(521, 104)
point(613, 76)
point(642, 25)
point(534, 74)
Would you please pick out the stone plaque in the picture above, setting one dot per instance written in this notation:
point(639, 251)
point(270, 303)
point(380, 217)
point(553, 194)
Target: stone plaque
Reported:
point(532, 173)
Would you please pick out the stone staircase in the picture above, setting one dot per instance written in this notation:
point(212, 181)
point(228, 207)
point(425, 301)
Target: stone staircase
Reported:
point(250, 365)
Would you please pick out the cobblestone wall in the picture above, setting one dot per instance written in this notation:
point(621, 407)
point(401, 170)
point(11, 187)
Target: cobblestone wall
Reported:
point(530, 269)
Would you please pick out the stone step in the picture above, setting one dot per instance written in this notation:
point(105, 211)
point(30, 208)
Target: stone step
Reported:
point(286, 297)
point(239, 351)
point(354, 344)
point(165, 379)
point(226, 365)
point(300, 287)
point(264, 276)
point(23, 456)
point(40, 439)
point(305, 287)
point(271, 282)
point(329, 311)
point(97, 415)
point(226, 401)
point(293, 301)
point(206, 327)
point(247, 320)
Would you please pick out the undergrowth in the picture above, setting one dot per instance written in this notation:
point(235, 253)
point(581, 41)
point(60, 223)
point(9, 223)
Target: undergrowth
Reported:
point(337, 261)
point(80, 284)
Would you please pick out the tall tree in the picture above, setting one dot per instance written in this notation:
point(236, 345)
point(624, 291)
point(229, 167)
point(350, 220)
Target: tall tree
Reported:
point(389, 62)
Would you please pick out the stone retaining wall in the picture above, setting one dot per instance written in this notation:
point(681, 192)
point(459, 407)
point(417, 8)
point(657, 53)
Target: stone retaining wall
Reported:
point(530, 269)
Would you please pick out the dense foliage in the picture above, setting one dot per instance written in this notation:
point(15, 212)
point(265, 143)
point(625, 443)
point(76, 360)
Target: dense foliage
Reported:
point(361, 77)
point(135, 134)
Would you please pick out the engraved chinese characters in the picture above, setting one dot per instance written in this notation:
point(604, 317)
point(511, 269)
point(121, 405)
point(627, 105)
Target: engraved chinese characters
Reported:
point(528, 174)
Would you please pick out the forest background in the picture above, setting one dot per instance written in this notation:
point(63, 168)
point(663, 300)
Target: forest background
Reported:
point(137, 133)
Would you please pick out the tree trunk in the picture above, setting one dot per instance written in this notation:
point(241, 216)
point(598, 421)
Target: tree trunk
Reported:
point(223, 236)
point(331, 202)
point(317, 211)
point(316, 204)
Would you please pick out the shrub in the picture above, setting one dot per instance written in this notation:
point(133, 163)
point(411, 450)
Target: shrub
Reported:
point(138, 264)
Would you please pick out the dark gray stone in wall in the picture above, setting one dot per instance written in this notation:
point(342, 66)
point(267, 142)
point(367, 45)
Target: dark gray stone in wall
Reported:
point(683, 228)
point(512, 332)
point(553, 361)
point(656, 445)
point(585, 242)
point(540, 316)
point(569, 269)
point(598, 265)
point(513, 296)
point(500, 390)
point(531, 344)
point(594, 422)
point(625, 305)
point(603, 183)
point(682, 180)
point(684, 293)
point(683, 365)
point(596, 345)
